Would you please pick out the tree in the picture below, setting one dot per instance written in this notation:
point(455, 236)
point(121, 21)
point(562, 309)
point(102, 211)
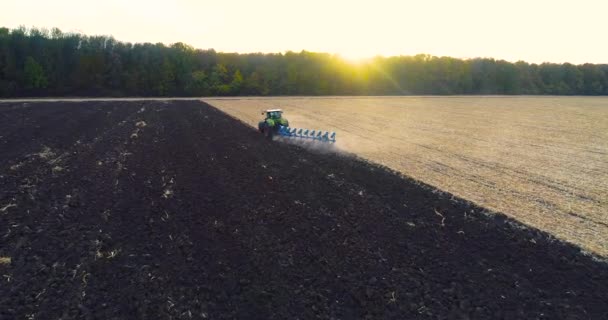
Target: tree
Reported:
point(39, 61)
point(198, 85)
point(237, 83)
point(34, 74)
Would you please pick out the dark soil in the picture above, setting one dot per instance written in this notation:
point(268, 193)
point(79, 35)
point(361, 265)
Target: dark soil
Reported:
point(195, 215)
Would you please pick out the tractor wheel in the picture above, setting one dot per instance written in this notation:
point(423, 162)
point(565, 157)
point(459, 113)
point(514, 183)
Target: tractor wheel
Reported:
point(268, 132)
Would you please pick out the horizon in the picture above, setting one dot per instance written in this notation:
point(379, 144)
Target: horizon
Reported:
point(359, 61)
point(519, 31)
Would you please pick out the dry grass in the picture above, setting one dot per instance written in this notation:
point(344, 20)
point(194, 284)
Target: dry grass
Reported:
point(542, 160)
point(5, 260)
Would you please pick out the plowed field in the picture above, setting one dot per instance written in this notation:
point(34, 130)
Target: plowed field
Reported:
point(173, 210)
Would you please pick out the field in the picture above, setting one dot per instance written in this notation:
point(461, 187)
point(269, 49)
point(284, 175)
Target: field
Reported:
point(541, 160)
point(173, 210)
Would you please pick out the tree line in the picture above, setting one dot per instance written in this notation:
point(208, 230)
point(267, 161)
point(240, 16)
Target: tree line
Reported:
point(40, 62)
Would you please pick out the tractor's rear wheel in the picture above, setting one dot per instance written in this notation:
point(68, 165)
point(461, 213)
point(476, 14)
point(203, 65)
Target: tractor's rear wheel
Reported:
point(268, 132)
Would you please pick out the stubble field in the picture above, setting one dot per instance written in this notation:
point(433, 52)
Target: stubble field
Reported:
point(541, 160)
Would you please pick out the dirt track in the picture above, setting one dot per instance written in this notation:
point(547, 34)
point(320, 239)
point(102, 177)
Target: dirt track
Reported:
point(162, 209)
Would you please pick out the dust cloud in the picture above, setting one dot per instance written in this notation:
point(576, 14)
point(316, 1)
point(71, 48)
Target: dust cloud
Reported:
point(312, 145)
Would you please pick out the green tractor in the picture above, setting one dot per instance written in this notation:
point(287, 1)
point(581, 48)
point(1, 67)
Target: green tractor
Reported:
point(273, 123)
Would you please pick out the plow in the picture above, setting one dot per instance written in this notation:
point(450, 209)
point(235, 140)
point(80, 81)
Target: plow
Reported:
point(276, 125)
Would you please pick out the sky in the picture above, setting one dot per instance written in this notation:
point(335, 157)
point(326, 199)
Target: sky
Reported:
point(530, 30)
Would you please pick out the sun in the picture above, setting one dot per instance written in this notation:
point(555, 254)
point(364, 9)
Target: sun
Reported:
point(354, 57)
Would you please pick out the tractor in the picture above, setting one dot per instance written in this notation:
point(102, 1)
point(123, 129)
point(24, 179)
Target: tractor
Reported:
point(275, 124)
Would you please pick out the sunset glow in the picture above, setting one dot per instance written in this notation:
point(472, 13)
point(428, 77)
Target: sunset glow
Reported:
point(534, 31)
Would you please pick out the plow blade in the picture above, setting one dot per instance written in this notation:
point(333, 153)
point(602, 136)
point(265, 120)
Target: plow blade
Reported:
point(318, 135)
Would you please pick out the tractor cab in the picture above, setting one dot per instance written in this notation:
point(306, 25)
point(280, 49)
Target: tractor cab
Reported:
point(273, 114)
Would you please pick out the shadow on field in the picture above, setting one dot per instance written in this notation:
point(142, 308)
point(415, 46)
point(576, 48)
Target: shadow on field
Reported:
point(197, 215)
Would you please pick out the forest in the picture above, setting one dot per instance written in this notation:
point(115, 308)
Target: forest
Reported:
point(40, 62)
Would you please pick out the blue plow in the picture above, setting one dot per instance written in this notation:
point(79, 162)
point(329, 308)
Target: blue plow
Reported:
point(318, 135)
